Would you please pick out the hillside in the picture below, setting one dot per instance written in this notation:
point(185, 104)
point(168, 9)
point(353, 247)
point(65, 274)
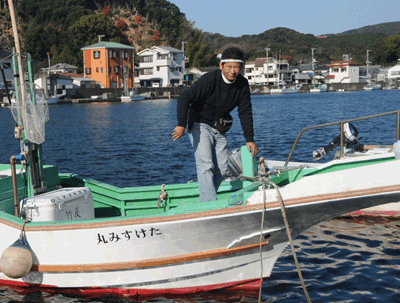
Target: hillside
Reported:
point(63, 27)
point(387, 28)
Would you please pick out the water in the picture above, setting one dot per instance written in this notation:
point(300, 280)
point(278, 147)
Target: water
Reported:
point(129, 144)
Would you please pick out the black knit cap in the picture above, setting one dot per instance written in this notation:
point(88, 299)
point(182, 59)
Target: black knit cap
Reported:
point(233, 54)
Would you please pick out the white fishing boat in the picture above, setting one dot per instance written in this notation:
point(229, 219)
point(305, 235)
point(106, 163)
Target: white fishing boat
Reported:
point(160, 239)
point(132, 96)
point(292, 89)
point(276, 91)
point(318, 88)
point(372, 86)
point(54, 99)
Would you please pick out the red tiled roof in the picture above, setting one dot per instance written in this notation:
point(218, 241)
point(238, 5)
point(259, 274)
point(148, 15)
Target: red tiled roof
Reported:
point(72, 75)
point(343, 63)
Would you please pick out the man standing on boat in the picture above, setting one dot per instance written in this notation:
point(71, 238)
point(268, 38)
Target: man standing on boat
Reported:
point(205, 108)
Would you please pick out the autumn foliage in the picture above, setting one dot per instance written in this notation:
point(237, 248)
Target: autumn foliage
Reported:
point(139, 20)
point(106, 11)
point(156, 36)
point(121, 24)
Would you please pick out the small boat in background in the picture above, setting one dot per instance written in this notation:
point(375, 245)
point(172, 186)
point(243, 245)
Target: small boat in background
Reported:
point(370, 87)
point(318, 88)
point(275, 91)
point(292, 89)
point(133, 97)
point(54, 99)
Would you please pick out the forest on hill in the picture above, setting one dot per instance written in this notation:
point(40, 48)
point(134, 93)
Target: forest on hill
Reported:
point(63, 27)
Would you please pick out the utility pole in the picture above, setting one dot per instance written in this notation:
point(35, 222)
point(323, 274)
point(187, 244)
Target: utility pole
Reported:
point(312, 62)
point(48, 58)
point(368, 50)
point(184, 59)
point(267, 49)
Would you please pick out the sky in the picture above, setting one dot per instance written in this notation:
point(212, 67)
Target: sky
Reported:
point(234, 18)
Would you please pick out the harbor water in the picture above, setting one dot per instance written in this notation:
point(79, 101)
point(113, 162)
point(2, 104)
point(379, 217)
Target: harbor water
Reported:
point(129, 144)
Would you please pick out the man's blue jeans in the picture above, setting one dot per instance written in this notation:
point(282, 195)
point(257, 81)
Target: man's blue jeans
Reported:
point(211, 154)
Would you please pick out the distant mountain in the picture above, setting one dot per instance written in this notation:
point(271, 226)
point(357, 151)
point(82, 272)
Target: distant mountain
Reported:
point(387, 28)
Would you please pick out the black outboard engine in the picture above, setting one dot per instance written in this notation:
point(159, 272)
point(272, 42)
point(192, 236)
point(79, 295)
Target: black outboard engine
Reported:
point(350, 139)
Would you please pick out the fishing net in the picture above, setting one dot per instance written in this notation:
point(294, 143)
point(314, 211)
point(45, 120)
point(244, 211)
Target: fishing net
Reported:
point(32, 114)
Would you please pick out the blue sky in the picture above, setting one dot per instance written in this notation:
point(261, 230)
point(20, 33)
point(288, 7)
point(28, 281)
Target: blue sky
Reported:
point(234, 18)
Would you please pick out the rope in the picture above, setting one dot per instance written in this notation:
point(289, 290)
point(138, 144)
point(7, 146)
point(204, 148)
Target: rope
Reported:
point(261, 240)
point(279, 196)
point(21, 235)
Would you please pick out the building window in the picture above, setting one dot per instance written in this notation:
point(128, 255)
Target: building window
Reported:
point(146, 71)
point(162, 56)
point(174, 56)
point(158, 68)
point(116, 69)
point(96, 54)
point(344, 69)
point(146, 59)
point(101, 70)
point(88, 71)
point(336, 70)
point(110, 70)
point(97, 69)
point(126, 69)
point(172, 69)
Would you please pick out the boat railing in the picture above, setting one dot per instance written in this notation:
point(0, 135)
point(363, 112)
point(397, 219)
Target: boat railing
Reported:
point(341, 123)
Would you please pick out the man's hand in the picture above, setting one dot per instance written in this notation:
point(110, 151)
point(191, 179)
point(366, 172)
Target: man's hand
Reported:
point(252, 147)
point(178, 132)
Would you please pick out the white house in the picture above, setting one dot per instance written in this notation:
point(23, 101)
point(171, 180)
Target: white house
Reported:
point(161, 66)
point(6, 65)
point(394, 72)
point(54, 84)
point(344, 72)
point(265, 71)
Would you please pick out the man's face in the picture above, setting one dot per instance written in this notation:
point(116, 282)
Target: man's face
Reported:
point(230, 70)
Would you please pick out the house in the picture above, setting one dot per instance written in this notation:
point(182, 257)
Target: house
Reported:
point(195, 73)
point(343, 72)
point(318, 73)
point(265, 71)
point(110, 64)
point(55, 85)
point(6, 65)
point(61, 68)
point(394, 72)
point(161, 66)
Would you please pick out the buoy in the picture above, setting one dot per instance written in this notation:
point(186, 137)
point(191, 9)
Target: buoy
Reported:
point(16, 260)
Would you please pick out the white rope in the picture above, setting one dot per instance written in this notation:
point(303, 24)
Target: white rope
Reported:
point(279, 196)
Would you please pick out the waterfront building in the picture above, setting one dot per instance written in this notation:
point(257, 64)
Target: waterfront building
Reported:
point(343, 72)
point(110, 64)
point(394, 72)
point(269, 71)
point(161, 66)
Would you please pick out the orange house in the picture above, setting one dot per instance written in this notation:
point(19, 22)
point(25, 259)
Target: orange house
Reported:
point(110, 64)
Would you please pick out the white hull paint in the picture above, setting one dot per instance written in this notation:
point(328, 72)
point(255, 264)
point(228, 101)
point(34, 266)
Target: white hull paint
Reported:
point(195, 251)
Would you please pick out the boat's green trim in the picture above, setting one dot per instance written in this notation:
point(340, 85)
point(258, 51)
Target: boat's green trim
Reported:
point(6, 190)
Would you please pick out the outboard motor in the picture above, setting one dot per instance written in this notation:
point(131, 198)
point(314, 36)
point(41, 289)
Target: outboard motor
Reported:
point(235, 168)
point(350, 139)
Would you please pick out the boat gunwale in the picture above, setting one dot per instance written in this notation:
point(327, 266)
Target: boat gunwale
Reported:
point(121, 221)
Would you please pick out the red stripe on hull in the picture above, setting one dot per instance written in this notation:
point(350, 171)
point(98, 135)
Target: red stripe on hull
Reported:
point(388, 213)
point(250, 287)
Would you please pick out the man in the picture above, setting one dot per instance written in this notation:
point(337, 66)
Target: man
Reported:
point(210, 100)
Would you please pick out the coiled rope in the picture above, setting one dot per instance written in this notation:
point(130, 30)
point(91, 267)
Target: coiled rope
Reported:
point(263, 182)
